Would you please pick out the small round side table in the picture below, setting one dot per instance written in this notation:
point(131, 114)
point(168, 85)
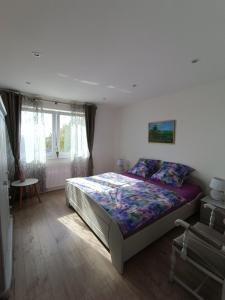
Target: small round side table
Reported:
point(31, 182)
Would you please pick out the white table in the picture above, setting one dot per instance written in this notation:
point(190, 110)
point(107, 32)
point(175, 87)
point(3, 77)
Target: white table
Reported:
point(31, 182)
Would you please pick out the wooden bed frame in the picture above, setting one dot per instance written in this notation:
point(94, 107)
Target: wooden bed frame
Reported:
point(108, 230)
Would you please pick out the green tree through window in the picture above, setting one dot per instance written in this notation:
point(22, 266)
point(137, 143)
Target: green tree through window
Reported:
point(64, 137)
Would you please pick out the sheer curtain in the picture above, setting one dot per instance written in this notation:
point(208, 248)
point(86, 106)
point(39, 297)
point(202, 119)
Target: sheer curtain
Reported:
point(32, 147)
point(79, 154)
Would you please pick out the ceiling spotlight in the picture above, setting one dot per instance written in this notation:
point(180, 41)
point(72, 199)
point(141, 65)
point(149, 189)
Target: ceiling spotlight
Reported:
point(62, 75)
point(36, 53)
point(28, 82)
point(195, 61)
point(89, 82)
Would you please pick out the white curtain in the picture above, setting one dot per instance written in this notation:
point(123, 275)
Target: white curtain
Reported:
point(32, 147)
point(79, 153)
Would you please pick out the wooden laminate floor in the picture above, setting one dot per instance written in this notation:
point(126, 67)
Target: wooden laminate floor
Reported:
point(56, 256)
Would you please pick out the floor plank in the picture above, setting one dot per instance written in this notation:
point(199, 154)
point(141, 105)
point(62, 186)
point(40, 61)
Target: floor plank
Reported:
point(56, 256)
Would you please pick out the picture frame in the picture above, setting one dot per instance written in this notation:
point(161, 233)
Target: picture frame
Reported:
point(162, 132)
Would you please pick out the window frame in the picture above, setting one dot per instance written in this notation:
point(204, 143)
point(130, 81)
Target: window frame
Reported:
point(56, 135)
point(50, 154)
point(61, 153)
point(55, 130)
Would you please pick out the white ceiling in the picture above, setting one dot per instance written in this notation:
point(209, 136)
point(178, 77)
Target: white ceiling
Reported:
point(112, 44)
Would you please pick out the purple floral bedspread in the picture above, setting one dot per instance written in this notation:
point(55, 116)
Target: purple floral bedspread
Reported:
point(132, 203)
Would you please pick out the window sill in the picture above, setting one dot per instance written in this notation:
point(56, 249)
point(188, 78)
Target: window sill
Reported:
point(60, 160)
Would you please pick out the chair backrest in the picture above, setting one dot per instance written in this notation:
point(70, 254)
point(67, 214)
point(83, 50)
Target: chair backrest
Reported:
point(208, 235)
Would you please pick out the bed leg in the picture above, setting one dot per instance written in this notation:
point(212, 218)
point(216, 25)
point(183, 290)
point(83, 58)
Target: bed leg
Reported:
point(67, 202)
point(116, 247)
point(117, 263)
point(173, 263)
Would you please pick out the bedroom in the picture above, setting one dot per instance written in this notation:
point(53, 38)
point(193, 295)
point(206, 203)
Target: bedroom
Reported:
point(81, 77)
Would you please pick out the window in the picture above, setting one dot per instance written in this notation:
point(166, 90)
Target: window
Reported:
point(60, 126)
point(56, 129)
point(64, 133)
point(48, 132)
point(32, 143)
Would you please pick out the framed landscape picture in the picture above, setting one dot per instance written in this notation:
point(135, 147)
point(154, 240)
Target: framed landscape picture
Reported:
point(162, 132)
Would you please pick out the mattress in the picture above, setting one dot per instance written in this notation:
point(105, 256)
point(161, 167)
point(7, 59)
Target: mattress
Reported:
point(131, 203)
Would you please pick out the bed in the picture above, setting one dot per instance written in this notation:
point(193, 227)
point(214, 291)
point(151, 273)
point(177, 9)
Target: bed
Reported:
point(128, 213)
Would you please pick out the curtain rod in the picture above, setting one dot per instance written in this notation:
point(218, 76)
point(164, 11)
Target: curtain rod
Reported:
point(42, 99)
point(56, 101)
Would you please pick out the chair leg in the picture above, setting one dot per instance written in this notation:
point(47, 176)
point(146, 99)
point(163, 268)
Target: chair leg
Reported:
point(13, 195)
point(173, 263)
point(21, 197)
point(36, 192)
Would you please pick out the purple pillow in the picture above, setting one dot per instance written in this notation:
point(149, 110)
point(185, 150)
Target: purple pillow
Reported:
point(144, 167)
point(172, 173)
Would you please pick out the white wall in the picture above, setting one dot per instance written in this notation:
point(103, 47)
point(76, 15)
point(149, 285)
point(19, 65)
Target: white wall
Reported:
point(200, 131)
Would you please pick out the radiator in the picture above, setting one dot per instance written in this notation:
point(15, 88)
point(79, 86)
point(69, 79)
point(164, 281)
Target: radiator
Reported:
point(56, 174)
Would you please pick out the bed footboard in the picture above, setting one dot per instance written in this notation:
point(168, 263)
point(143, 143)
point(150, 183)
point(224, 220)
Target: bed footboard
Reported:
point(99, 222)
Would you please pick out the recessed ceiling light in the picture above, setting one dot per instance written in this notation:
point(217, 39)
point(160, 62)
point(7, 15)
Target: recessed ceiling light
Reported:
point(89, 82)
point(124, 91)
point(36, 53)
point(62, 75)
point(134, 85)
point(195, 61)
point(28, 82)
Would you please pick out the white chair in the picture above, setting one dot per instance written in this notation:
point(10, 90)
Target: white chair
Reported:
point(202, 247)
